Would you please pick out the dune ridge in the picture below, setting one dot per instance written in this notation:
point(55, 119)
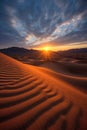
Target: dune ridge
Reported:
point(33, 99)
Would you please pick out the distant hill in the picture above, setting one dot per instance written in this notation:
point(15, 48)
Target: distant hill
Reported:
point(76, 54)
point(19, 52)
point(22, 52)
point(80, 50)
point(33, 56)
point(13, 51)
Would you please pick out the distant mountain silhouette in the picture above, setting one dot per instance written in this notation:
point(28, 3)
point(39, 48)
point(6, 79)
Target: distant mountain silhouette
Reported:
point(80, 50)
point(22, 51)
point(17, 52)
point(26, 55)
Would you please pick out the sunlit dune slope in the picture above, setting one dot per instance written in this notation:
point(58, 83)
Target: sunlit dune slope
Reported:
point(32, 98)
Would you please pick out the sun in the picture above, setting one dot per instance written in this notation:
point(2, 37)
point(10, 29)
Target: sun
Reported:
point(46, 53)
point(47, 48)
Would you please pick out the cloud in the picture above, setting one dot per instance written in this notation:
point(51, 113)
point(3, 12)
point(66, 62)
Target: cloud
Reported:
point(60, 31)
point(16, 23)
point(34, 22)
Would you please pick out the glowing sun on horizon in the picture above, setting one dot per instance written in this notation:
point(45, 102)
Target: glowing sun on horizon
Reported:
point(47, 48)
point(46, 52)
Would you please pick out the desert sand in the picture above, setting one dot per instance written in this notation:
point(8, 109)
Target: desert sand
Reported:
point(47, 97)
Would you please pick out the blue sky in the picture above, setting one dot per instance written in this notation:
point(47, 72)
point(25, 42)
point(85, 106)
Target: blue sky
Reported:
point(32, 23)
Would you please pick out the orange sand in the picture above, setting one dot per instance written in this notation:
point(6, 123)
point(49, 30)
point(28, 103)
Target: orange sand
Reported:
point(37, 98)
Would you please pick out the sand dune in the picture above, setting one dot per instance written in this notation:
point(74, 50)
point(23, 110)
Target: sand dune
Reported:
point(71, 69)
point(36, 98)
point(74, 74)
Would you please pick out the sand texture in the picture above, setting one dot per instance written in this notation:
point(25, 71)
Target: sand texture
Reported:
point(38, 98)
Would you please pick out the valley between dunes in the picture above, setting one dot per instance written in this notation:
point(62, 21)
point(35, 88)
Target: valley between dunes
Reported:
point(38, 98)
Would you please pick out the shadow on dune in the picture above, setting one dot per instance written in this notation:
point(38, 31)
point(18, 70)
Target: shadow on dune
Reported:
point(74, 74)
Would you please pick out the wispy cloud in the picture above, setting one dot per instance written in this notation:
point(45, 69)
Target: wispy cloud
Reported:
point(60, 31)
point(16, 23)
point(35, 22)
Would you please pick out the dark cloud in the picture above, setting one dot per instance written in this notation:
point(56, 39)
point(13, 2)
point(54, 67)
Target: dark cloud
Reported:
point(32, 22)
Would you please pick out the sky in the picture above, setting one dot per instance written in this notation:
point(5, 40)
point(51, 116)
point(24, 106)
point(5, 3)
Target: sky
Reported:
point(60, 24)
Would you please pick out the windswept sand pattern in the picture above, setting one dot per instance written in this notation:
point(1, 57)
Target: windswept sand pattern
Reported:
point(30, 99)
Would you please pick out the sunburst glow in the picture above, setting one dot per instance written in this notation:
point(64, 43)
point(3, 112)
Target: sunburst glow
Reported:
point(47, 48)
point(46, 52)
